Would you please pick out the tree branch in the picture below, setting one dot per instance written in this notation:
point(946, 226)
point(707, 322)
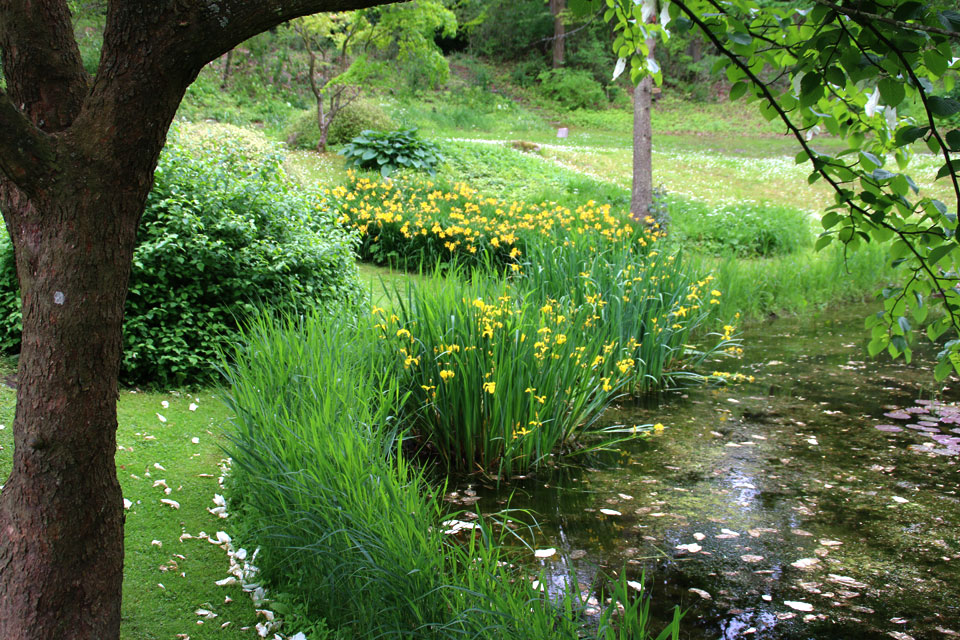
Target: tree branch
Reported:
point(864, 15)
point(41, 61)
point(25, 151)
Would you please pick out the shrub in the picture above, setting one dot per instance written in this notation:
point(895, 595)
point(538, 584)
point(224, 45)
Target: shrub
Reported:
point(392, 150)
point(220, 235)
point(572, 88)
point(303, 132)
point(740, 228)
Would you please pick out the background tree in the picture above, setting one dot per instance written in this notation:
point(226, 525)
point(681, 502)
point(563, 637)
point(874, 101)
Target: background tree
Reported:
point(879, 75)
point(77, 156)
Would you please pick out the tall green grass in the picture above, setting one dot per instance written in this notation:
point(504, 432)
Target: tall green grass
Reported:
point(796, 282)
point(347, 525)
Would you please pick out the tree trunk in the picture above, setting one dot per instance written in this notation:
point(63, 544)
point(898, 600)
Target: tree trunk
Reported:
point(641, 194)
point(559, 31)
point(226, 70)
point(61, 511)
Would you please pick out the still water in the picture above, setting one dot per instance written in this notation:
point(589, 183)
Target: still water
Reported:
point(777, 509)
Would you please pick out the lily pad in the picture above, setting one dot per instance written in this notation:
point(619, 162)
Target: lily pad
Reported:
point(892, 428)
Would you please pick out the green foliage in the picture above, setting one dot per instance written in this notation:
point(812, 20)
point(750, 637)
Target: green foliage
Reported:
point(350, 121)
point(9, 296)
point(222, 233)
point(322, 490)
point(387, 151)
point(572, 88)
point(850, 69)
point(741, 228)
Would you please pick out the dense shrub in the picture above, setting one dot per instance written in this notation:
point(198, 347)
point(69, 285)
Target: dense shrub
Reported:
point(740, 228)
point(303, 132)
point(572, 88)
point(220, 235)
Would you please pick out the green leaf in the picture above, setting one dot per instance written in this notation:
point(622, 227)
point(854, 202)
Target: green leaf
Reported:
point(942, 370)
point(835, 76)
point(740, 37)
point(908, 135)
point(904, 324)
point(943, 107)
point(737, 90)
point(822, 242)
point(938, 253)
point(953, 140)
point(935, 62)
point(891, 91)
point(945, 170)
point(830, 219)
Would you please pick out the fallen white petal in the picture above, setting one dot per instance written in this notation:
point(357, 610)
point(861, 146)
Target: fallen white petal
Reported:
point(633, 584)
point(226, 582)
point(805, 563)
point(544, 553)
point(161, 418)
point(899, 499)
point(195, 440)
point(165, 404)
point(192, 407)
point(700, 592)
point(172, 503)
point(610, 512)
point(799, 606)
point(127, 504)
point(693, 547)
point(156, 543)
point(157, 465)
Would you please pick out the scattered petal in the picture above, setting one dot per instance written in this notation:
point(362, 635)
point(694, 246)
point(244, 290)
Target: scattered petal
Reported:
point(156, 543)
point(127, 504)
point(799, 606)
point(195, 440)
point(899, 500)
point(172, 503)
point(751, 559)
point(226, 582)
point(830, 543)
point(693, 547)
point(161, 418)
point(544, 553)
point(805, 563)
point(192, 407)
point(698, 536)
point(610, 512)
point(165, 404)
point(700, 592)
point(633, 584)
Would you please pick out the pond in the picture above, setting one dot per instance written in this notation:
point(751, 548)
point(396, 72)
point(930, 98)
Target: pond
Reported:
point(777, 509)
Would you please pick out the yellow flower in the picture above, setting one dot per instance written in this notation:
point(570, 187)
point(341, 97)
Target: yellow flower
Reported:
point(446, 374)
point(403, 333)
point(490, 387)
point(715, 293)
point(376, 310)
point(658, 428)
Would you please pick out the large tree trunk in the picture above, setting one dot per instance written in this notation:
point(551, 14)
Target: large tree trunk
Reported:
point(61, 512)
point(559, 31)
point(641, 194)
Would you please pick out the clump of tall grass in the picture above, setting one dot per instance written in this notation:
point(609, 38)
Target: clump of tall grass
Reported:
point(345, 523)
point(502, 372)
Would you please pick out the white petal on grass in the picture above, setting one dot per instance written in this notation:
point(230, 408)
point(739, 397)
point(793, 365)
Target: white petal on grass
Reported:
point(799, 606)
point(226, 582)
point(172, 503)
point(624, 496)
point(156, 543)
point(205, 613)
point(157, 465)
point(127, 504)
point(161, 418)
point(299, 636)
point(195, 440)
point(192, 407)
point(900, 500)
point(610, 512)
point(544, 553)
point(165, 404)
point(633, 584)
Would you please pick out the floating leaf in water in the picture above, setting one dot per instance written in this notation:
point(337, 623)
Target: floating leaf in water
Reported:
point(693, 547)
point(888, 427)
point(751, 559)
point(805, 563)
point(610, 512)
point(698, 536)
point(846, 581)
point(624, 496)
point(700, 592)
point(898, 415)
point(799, 606)
point(830, 543)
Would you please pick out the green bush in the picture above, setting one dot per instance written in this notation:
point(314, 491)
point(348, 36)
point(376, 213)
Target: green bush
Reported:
point(740, 228)
point(392, 150)
point(572, 88)
point(303, 132)
point(220, 235)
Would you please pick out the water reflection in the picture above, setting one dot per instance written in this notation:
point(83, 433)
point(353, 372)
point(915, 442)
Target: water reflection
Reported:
point(787, 493)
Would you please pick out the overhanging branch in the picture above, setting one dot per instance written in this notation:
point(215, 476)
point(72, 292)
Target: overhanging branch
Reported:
point(865, 16)
point(25, 151)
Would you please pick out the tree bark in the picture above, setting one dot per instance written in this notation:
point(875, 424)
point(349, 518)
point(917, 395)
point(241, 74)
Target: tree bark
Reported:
point(641, 193)
point(559, 31)
point(76, 164)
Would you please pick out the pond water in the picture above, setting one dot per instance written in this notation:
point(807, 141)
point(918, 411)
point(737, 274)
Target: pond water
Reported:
point(777, 509)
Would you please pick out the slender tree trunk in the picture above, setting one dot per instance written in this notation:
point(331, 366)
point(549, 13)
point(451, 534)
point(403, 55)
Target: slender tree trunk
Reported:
point(559, 31)
point(641, 194)
point(226, 70)
point(61, 511)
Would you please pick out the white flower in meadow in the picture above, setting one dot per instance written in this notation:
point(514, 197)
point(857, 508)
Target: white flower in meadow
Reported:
point(165, 404)
point(192, 407)
point(195, 440)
